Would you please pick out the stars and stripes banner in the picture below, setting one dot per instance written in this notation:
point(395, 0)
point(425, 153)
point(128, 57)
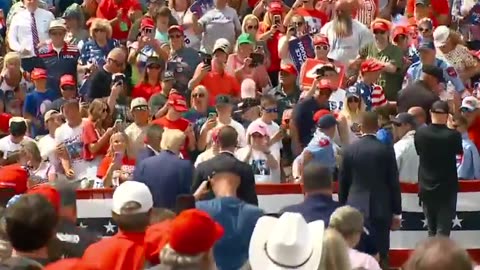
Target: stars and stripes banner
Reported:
point(94, 213)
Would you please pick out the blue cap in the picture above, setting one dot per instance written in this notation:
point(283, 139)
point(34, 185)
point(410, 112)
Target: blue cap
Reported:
point(327, 121)
point(426, 45)
point(352, 91)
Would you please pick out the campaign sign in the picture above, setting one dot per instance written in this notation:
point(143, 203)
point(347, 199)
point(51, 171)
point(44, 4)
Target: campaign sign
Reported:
point(474, 14)
point(309, 72)
point(200, 7)
point(300, 49)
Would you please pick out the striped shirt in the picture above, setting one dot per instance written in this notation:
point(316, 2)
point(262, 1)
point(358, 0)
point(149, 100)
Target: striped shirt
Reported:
point(373, 95)
point(367, 12)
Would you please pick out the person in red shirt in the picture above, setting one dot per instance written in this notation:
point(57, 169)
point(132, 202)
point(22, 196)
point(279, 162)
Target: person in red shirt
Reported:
point(314, 19)
point(470, 108)
point(70, 264)
point(94, 136)
point(152, 80)
point(131, 209)
point(120, 13)
point(173, 120)
point(437, 10)
point(118, 165)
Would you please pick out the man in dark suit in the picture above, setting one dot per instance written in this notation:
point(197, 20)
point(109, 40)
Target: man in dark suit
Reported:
point(227, 141)
point(369, 182)
point(167, 176)
point(152, 143)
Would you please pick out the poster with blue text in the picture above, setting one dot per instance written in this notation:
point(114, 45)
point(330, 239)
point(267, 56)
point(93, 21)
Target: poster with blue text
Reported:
point(300, 49)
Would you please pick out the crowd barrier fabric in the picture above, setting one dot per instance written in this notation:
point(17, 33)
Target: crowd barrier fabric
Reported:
point(94, 212)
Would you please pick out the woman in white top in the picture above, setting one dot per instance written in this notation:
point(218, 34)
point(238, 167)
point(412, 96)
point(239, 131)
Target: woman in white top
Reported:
point(181, 12)
point(348, 221)
point(40, 171)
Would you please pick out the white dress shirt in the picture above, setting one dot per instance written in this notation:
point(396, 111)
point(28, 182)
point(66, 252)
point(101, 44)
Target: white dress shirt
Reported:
point(407, 158)
point(20, 32)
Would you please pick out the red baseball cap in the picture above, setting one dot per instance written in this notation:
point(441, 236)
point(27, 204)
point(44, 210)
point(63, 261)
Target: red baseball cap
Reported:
point(69, 264)
point(175, 28)
point(399, 30)
point(380, 25)
point(325, 84)
point(371, 65)
point(147, 22)
point(275, 7)
point(156, 237)
point(320, 39)
point(194, 232)
point(67, 79)
point(49, 192)
point(14, 177)
point(289, 68)
point(38, 73)
point(178, 102)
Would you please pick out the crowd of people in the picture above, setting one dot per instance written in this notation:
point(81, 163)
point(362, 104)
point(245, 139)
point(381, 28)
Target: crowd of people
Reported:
point(183, 106)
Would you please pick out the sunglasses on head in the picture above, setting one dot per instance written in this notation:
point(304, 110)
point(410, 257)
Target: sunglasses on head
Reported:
point(353, 99)
point(379, 32)
point(322, 47)
point(199, 95)
point(250, 27)
point(271, 110)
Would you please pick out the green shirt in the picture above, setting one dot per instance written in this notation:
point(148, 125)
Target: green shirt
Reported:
point(391, 82)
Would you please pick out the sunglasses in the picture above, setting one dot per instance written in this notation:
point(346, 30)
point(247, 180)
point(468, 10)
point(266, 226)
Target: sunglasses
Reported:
point(298, 24)
point(353, 99)
point(379, 32)
point(140, 109)
point(199, 95)
point(154, 67)
point(175, 36)
point(270, 110)
point(250, 27)
point(322, 47)
point(147, 30)
point(465, 110)
point(423, 30)
point(68, 88)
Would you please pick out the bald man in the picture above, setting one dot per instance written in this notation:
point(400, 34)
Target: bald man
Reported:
point(101, 82)
point(419, 114)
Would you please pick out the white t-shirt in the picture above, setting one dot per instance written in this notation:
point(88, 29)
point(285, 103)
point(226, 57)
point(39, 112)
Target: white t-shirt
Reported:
point(236, 125)
point(258, 162)
point(136, 135)
point(8, 147)
point(272, 129)
point(362, 260)
point(344, 49)
point(285, 59)
point(184, 18)
point(219, 23)
point(72, 138)
point(336, 100)
point(47, 147)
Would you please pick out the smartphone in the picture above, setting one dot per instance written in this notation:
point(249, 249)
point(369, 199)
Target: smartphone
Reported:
point(318, 72)
point(118, 78)
point(184, 202)
point(212, 115)
point(277, 19)
point(257, 59)
point(207, 59)
point(119, 124)
point(118, 157)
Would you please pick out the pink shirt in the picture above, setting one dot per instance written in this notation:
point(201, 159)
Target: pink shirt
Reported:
point(258, 74)
point(359, 259)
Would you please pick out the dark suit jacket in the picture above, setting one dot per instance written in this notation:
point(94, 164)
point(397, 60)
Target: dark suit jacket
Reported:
point(167, 176)
point(246, 191)
point(144, 153)
point(314, 207)
point(369, 179)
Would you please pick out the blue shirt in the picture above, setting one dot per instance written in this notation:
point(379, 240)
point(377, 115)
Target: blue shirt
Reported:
point(303, 118)
point(36, 104)
point(365, 91)
point(385, 136)
point(449, 73)
point(58, 64)
point(468, 164)
point(91, 52)
point(321, 147)
point(238, 220)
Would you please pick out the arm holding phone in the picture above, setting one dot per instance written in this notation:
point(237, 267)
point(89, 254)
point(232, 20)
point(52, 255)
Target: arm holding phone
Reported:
point(115, 164)
point(209, 125)
point(200, 72)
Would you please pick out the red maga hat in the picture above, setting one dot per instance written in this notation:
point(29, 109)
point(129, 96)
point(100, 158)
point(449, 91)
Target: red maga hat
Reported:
point(320, 39)
point(371, 65)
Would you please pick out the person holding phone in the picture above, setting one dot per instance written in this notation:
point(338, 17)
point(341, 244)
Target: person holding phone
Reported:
point(118, 165)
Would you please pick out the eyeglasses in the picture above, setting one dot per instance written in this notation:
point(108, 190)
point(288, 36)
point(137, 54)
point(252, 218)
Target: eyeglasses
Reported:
point(154, 67)
point(57, 33)
point(175, 36)
point(353, 99)
point(116, 62)
point(147, 30)
point(250, 27)
point(322, 47)
point(199, 95)
point(298, 24)
point(270, 110)
point(379, 32)
point(423, 30)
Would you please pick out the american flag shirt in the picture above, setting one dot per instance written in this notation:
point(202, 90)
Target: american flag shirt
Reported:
point(373, 94)
point(367, 12)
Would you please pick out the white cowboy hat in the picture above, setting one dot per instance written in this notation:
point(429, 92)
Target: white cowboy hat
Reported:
point(287, 242)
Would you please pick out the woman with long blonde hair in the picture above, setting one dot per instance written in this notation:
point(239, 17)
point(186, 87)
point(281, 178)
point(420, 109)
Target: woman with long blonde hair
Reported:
point(14, 83)
point(335, 252)
point(94, 135)
point(353, 106)
point(118, 164)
